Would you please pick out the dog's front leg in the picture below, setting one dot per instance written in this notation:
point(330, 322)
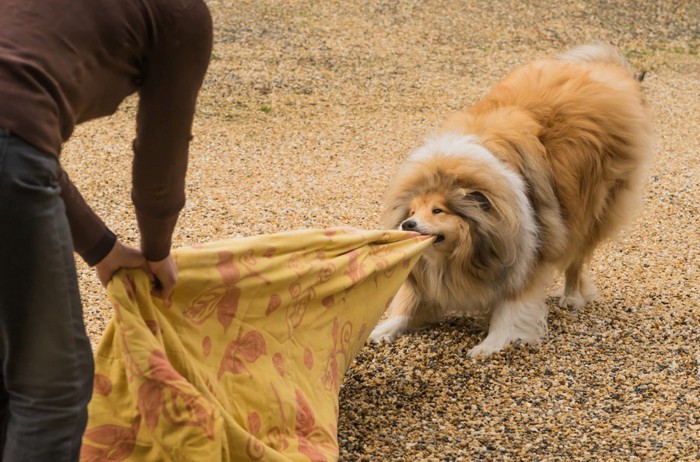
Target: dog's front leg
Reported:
point(406, 312)
point(523, 319)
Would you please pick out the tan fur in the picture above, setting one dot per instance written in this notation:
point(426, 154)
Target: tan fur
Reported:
point(575, 131)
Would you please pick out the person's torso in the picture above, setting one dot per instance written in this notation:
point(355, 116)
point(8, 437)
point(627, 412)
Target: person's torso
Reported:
point(66, 62)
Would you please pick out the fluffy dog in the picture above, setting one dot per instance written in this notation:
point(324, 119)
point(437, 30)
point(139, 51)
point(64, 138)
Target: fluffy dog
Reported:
point(527, 181)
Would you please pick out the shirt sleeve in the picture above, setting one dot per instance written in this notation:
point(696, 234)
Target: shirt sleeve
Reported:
point(91, 237)
point(173, 74)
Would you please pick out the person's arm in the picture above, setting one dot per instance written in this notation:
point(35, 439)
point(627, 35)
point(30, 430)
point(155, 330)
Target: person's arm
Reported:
point(92, 240)
point(173, 74)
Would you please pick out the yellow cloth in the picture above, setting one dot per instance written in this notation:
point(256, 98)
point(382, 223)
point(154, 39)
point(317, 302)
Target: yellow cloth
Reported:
point(246, 363)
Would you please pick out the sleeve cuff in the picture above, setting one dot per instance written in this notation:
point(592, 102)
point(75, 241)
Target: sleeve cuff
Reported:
point(156, 235)
point(100, 250)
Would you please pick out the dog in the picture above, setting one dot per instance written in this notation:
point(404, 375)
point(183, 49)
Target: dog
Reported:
point(526, 182)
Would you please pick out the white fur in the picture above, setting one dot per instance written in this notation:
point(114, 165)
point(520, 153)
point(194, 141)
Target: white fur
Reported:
point(452, 144)
point(523, 319)
point(389, 330)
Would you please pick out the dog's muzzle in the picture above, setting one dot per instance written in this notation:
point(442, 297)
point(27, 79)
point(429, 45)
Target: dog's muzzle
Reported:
point(412, 225)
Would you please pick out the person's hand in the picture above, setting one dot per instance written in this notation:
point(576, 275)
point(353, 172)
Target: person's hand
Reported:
point(163, 275)
point(121, 256)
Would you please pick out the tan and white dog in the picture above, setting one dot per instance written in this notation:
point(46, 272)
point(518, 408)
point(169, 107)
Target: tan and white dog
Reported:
point(527, 181)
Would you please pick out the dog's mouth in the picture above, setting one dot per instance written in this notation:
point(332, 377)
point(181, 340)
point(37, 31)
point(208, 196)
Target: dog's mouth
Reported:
point(411, 225)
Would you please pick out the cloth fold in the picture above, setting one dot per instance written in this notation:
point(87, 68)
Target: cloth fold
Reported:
point(247, 361)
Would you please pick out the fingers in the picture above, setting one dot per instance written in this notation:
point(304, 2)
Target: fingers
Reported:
point(162, 273)
point(164, 277)
point(121, 256)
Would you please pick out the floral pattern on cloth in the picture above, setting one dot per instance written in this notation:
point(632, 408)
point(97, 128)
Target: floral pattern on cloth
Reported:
point(246, 363)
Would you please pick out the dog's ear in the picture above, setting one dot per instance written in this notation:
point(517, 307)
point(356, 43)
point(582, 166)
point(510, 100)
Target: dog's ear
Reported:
point(467, 198)
point(493, 249)
point(481, 199)
point(494, 228)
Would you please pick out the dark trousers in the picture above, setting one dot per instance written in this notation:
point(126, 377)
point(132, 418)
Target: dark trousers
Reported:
point(47, 366)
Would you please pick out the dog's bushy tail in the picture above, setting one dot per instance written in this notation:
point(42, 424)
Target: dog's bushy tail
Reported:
point(601, 52)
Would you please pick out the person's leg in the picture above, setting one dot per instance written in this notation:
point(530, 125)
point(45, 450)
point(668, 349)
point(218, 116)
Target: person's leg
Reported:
point(47, 366)
point(4, 413)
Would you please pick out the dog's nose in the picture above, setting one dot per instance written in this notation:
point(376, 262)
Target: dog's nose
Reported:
point(409, 225)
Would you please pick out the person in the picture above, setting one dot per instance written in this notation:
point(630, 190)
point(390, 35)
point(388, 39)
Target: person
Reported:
point(63, 63)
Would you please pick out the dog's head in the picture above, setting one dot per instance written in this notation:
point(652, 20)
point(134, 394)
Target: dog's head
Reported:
point(445, 214)
point(475, 205)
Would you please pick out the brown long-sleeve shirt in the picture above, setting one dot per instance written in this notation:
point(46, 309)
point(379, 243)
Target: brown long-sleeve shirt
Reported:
point(63, 62)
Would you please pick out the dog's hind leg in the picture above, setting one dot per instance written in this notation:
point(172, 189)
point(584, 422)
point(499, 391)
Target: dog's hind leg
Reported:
point(578, 288)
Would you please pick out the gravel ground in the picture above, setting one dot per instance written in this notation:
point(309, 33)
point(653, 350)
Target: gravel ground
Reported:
point(305, 114)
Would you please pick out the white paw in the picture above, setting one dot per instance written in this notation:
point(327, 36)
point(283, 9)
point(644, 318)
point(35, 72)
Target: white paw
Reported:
point(389, 330)
point(487, 347)
point(493, 343)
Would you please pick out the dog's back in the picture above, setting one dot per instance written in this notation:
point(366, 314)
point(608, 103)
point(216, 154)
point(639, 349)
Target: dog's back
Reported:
point(581, 119)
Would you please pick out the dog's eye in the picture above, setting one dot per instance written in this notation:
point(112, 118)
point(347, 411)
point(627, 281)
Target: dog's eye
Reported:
point(484, 203)
point(436, 211)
